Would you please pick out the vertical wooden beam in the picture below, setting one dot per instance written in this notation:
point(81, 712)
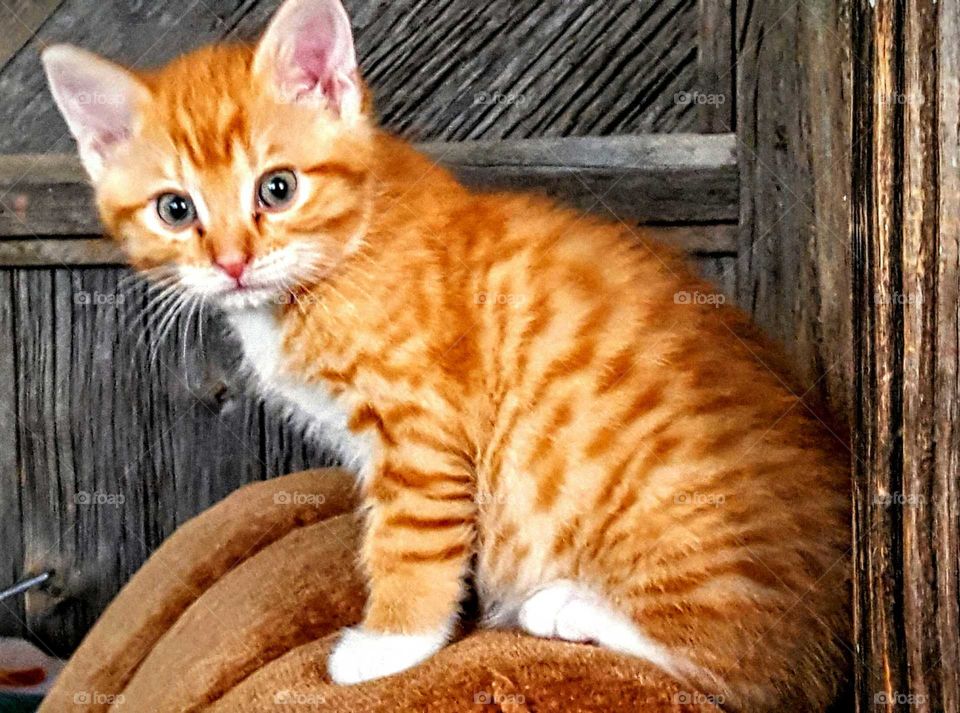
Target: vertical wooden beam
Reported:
point(716, 105)
point(905, 192)
point(793, 135)
point(11, 520)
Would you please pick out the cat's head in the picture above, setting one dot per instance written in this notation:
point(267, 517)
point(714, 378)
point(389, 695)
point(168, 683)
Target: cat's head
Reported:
point(242, 173)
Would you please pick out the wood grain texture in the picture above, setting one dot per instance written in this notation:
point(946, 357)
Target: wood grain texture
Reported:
point(647, 178)
point(793, 138)
point(11, 516)
point(715, 94)
point(120, 445)
point(440, 69)
point(51, 252)
point(20, 20)
point(906, 111)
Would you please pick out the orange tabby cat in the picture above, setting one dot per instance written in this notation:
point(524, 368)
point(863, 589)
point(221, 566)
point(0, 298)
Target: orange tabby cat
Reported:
point(523, 390)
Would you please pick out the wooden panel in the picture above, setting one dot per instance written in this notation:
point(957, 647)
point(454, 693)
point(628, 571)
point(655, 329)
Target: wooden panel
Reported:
point(20, 19)
point(43, 252)
point(793, 90)
point(119, 445)
point(45, 194)
point(649, 178)
point(721, 271)
point(440, 69)
point(715, 95)
point(11, 519)
point(907, 311)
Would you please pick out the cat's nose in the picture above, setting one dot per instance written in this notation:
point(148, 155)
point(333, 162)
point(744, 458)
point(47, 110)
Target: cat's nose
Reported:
point(233, 264)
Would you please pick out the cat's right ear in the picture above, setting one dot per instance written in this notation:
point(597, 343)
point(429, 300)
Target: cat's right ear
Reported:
point(98, 99)
point(307, 55)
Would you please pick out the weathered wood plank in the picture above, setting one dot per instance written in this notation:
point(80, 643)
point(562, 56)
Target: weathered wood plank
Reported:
point(794, 146)
point(119, 446)
point(20, 20)
point(51, 252)
point(715, 95)
point(11, 516)
point(721, 271)
point(907, 311)
point(714, 238)
point(648, 178)
point(447, 69)
point(45, 194)
point(945, 496)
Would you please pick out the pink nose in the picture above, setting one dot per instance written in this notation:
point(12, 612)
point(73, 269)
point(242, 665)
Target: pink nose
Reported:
point(233, 265)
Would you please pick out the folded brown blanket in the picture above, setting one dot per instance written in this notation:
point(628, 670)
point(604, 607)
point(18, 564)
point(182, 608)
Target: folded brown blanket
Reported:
point(238, 609)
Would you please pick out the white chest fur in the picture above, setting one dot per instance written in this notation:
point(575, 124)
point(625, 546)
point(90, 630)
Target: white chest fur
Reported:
point(261, 338)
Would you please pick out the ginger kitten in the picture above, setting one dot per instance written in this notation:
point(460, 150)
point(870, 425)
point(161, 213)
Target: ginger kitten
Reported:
point(522, 397)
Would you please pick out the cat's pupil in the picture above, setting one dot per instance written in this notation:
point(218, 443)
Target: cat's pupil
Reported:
point(178, 208)
point(278, 187)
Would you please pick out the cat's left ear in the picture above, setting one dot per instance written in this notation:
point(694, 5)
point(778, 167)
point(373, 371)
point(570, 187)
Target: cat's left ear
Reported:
point(307, 54)
point(98, 99)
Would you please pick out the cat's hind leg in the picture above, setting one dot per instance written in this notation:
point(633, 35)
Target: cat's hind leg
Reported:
point(570, 611)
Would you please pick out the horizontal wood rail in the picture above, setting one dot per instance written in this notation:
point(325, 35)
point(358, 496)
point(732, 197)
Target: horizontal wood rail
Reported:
point(686, 183)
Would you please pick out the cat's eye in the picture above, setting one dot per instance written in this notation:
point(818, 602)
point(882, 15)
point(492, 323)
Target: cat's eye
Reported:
point(176, 210)
point(276, 189)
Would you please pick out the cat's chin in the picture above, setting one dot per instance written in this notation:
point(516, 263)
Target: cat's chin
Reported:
point(251, 298)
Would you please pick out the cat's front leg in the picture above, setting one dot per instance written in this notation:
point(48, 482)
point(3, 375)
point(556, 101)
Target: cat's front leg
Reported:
point(419, 539)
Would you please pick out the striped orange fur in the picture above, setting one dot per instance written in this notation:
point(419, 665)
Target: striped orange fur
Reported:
point(541, 401)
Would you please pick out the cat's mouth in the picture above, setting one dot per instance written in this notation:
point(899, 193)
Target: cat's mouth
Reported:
point(247, 292)
point(241, 296)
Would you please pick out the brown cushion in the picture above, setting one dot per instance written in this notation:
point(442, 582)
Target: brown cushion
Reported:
point(237, 611)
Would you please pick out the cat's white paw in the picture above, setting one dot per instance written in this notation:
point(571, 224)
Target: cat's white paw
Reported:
point(572, 612)
point(363, 655)
point(561, 610)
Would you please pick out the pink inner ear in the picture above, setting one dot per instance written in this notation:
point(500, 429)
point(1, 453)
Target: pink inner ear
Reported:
point(102, 112)
point(317, 52)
